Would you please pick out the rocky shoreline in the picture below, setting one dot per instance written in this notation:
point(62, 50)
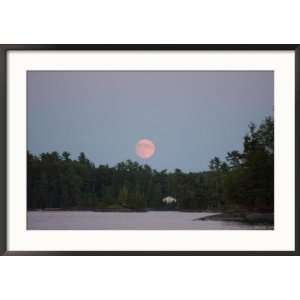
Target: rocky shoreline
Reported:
point(243, 217)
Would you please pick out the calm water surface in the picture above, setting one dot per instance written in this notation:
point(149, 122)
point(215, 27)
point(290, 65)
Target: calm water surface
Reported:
point(88, 220)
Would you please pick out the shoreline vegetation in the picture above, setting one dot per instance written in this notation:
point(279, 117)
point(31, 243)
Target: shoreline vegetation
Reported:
point(241, 188)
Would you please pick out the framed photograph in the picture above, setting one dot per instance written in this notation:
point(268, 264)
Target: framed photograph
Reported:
point(149, 149)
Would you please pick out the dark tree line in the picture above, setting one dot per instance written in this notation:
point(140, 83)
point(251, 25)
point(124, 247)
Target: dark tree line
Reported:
point(245, 181)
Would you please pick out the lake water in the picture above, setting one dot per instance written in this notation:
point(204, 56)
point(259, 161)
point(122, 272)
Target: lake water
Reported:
point(152, 220)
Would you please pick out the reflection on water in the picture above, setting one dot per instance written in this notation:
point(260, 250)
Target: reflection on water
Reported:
point(152, 220)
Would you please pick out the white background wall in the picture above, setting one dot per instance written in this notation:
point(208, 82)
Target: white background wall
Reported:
point(155, 21)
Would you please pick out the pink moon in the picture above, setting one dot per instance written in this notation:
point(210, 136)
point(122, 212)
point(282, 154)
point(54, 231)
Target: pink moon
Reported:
point(145, 148)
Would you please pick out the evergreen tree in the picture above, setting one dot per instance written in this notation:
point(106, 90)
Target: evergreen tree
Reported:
point(123, 198)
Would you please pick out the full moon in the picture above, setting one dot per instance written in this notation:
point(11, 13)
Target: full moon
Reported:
point(145, 148)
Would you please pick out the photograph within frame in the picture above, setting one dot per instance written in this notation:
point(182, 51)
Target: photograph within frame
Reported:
point(175, 183)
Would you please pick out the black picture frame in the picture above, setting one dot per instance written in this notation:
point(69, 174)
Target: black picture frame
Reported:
point(139, 47)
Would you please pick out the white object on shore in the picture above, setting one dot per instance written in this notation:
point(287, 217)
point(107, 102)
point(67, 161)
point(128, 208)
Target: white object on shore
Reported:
point(169, 200)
